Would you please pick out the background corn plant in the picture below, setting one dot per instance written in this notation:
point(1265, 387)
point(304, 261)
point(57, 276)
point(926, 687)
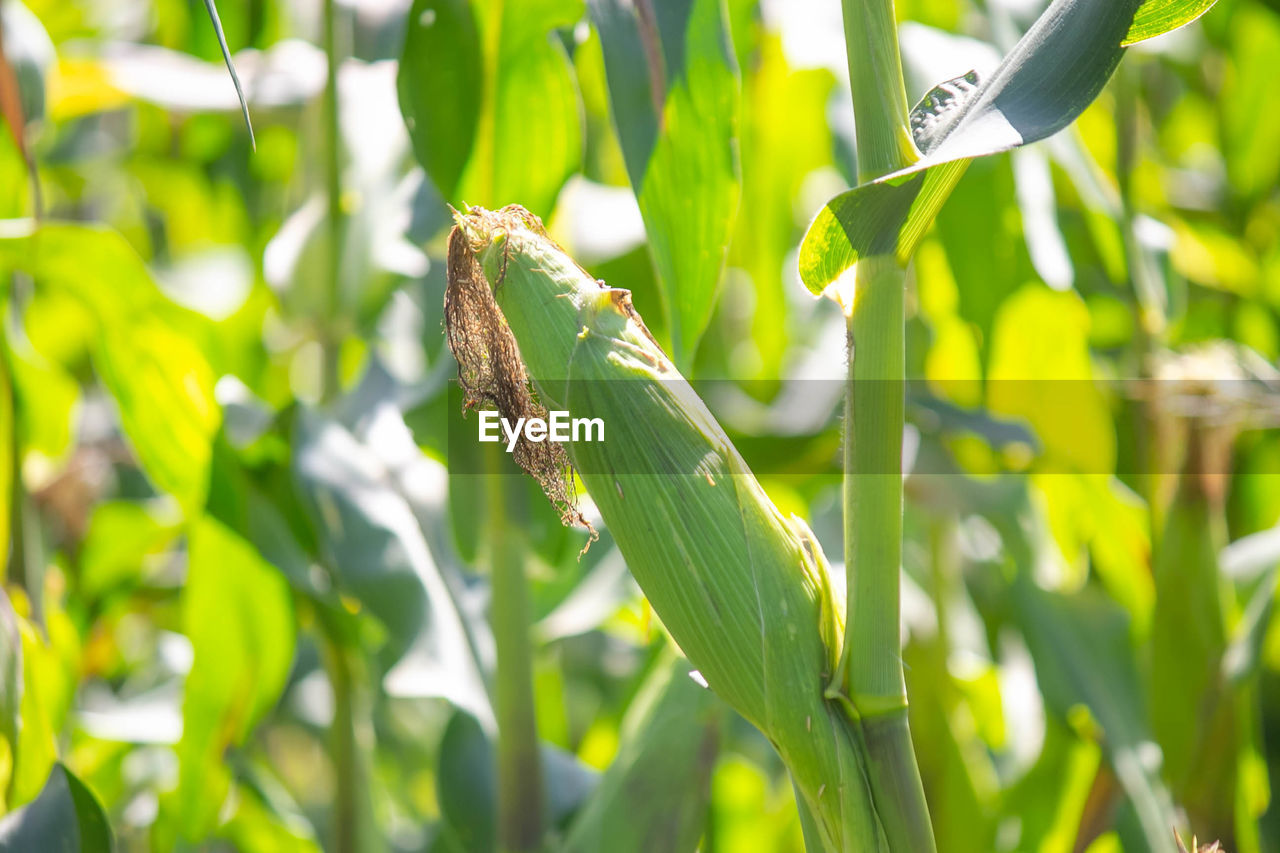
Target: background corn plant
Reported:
point(261, 593)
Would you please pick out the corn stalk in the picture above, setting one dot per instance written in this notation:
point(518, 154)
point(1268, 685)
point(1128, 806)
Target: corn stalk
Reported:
point(871, 682)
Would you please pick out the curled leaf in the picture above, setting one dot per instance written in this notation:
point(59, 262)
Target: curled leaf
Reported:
point(1052, 74)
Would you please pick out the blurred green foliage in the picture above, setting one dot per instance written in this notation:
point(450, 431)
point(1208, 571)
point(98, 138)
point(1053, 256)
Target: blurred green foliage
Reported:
point(239, 563)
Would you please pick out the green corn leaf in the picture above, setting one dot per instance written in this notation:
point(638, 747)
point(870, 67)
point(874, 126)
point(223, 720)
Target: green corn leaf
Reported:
point(65, 817)
point(44, 682)
point(743, 589)
point(489, 99)
point(674, 94)
point(469, 803)
point(1083, 655)
point(160, 379)
point(654, 795)
point(7, 428)
point(441, 84)
point(1188, 635)
point(370, 537)
point(10, 681)
point(1049, 801)
point(1050, 76)
point(1157, 17)
point(212, 9)
point(1080, 645)
point(121, 536)
point(238, 614)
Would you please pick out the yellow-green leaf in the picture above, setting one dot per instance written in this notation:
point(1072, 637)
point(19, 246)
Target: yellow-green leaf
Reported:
point(238, 613)
point(1157, 17)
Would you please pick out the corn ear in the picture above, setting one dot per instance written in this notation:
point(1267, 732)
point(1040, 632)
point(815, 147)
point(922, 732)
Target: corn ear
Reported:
point(743, 590)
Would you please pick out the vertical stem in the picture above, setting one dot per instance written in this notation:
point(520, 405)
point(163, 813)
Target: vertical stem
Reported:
point(10, 468)
point(330, 331)
point(520, 794)
point(343, 749)
point(19, 529)
point(874, 414)
point(879, 93)
point(350, 742)
point(353, 828)
point(1149, 309)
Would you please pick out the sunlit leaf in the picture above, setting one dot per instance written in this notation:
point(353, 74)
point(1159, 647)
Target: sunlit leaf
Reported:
point(47, 398)
point(441, 86)
point(1043, 84)
point(121, 536)
point(489, 85)
point(11, 106)
point(1040, 371)
point(163, 389)
point(674, 93)
point(161, 382)
point(65, 817)
point(1049, 800)
point(257, 826)
point(1157, 17)
point(40, 711)
point(785, 137)
point(655, 794)
point(10, 686)
point(950, 756)
point(1198, 725)
point(1083, 656)
point(238, 615)
point(1249, 134)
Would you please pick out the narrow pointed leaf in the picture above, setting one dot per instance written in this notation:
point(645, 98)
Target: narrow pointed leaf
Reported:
point(238, 614)
point(65, 817)
point(212, 9)
point(1081, 649)
point(674, 93)
point(654, 795)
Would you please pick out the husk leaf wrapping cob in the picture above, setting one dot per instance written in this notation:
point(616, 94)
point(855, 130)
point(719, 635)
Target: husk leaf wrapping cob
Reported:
point(743, 590)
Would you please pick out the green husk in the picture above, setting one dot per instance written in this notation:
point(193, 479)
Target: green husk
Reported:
point(743, 590)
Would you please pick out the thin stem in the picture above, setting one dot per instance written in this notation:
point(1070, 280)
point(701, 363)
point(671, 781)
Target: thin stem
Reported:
point(879, 93)
point(874, 411)
point(1150, 330)
point(330, 332)
point(350, 741)
point(520, 795)
point(874, 414)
